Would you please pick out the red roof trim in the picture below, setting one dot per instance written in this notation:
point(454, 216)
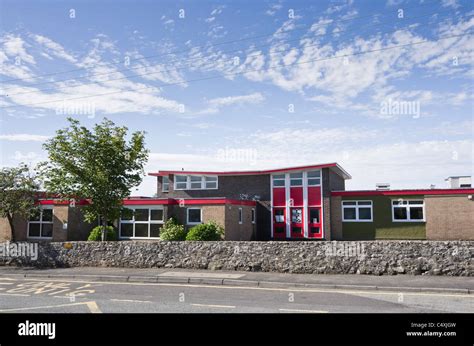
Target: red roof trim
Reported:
point(157, 201)
point(199, 201)
point(161, 173)
point(404, 192)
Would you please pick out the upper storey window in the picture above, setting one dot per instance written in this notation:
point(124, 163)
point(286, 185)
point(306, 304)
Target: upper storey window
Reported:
point(195, 182)
point(278, 180)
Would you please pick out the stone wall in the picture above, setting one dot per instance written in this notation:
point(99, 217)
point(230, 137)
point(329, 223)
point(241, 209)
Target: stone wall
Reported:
point(454, 258)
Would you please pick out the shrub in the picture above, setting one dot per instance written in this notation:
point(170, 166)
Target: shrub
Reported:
point(96, 234)
point(171, 230)
point(206, 231)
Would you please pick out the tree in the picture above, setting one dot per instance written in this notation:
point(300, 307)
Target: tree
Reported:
point(17, 194)
point(99, 165)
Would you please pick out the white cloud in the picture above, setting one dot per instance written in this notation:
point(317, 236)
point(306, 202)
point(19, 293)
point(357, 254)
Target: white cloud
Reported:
point(54, 48)
point(23, 137)
point(214, 105)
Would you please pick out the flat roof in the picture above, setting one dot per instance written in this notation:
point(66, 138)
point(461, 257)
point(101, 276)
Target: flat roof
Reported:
point(413, 192)
point(333, 166)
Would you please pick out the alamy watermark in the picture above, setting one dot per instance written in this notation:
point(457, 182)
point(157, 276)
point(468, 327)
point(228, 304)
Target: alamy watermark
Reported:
point(76, 108)
point(345, 249)
point(396, 107)
point(12, 250)
point(238, 155)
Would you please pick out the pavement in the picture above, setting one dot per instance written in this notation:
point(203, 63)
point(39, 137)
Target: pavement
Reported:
point(125, 290)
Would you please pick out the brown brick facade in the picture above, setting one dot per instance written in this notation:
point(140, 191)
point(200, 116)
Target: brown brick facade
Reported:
point(449, 217)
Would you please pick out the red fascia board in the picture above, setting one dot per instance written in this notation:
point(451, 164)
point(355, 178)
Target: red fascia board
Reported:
point(269, 171)
point(200, 201)
point(405, 192)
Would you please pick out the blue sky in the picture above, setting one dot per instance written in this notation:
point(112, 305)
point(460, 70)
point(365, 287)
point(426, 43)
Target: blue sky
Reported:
point(383, 88)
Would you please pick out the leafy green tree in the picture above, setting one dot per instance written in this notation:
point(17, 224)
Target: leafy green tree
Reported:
point(17, 194)
point(99, 165)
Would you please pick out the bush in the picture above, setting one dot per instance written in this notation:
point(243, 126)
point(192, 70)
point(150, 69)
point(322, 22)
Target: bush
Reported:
point(96, 234)
point(171, 230)
point(206, 231)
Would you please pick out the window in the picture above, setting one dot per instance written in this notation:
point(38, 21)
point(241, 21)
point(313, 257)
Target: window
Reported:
point(194, 216)
point(40, 224)
point(181, 182)
point(278, 180)
point(279, 215)
point(314, 178)
point(210, 182)
point(165, 185)
point(314, 230)
point(296, 179)
point(253, 215)
point(408, 211)
point(357, 211)
point(141, 222)
point(279, 229)
point(296, 215)
point(240, 216)
point(314, 215)
point(195, 182)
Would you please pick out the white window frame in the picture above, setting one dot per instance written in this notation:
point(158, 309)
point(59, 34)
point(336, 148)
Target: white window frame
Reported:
point(253, 215)
point(241, 216)
point(203, 182)
point(149, 222)
point(308, 178)
point(357, 206)
point(292, 179)
point(187, 216)
point(41, 222)
point(284, 180)
point(163, 184)
point(408, 206)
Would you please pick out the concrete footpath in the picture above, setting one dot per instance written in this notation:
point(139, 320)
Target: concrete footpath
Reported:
point(403, 283)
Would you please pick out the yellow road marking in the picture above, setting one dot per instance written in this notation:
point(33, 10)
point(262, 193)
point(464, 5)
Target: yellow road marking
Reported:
point(91, 305)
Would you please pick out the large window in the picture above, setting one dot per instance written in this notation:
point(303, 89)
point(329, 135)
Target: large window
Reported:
point(314, 178)
point(194, 216)
point(141, 222)
point(165, 185)
point(296, 179)
point(40, 224)
point(195, 182)
point(408, 211)
point(357, 211)
point(278, 180)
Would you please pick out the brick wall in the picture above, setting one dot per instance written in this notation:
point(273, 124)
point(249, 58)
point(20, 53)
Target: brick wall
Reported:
point(336, 218)
point(449, 217)
point(236, 231)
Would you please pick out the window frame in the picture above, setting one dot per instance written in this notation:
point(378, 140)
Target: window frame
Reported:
point(407, 208)
point(187, 216)
point(188, 182)
point(292, 179)
point(278, 179)
point(149, 222)
point(41, 222)
point(308, 178)
point(357, 207)
point(163, 184)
